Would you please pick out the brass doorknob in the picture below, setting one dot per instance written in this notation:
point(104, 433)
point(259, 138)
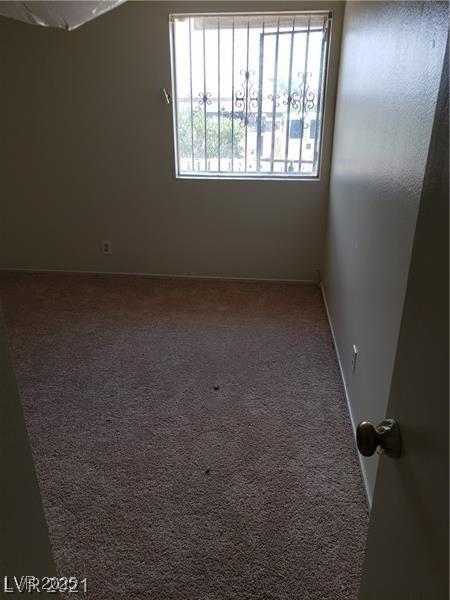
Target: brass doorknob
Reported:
point(386, 436)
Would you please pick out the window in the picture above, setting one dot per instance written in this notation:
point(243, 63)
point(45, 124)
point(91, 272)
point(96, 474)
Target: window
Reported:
point(249, 93)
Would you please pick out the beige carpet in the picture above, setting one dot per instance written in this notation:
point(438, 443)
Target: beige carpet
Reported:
point(191, 438)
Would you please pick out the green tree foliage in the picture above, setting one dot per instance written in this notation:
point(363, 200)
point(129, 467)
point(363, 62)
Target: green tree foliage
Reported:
point(212, 137)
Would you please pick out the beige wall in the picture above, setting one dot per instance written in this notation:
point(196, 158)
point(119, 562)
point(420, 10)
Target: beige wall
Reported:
point(391, 64)
point(86, 155)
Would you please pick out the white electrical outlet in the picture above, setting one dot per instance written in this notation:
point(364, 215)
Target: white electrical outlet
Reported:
point(354, 358)
point(107, 247)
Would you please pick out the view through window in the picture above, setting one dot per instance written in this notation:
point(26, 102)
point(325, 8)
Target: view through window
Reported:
point(249, 93)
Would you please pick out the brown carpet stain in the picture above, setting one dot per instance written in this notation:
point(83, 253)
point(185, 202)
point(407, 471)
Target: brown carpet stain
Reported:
point(191, 438)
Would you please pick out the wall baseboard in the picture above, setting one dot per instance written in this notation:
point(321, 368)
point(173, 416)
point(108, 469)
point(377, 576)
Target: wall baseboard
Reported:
point(347, 397)
point(161, 275)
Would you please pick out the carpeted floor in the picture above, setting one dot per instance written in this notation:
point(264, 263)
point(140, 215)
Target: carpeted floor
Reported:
point(191, 438)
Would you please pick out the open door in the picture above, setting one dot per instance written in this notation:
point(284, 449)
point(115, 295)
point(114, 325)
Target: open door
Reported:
point(407, 547)
point(25, 553)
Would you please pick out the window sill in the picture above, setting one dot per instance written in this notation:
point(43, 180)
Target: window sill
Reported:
point(246, 178)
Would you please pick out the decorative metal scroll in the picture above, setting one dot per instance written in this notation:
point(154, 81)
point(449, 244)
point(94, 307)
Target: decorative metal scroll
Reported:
point(302, 99)
point(275, 99)
point(293, 99)
point(205, 98)
point(246, 100)
point(306, 92)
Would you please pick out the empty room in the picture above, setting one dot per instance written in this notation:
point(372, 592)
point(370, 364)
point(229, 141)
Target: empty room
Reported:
point(224, 300)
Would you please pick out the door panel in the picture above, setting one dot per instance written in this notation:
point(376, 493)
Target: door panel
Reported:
point(24, 543)
point(407, 546)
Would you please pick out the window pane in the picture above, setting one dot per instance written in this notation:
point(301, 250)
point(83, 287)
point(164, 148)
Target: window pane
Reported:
point(248, 93)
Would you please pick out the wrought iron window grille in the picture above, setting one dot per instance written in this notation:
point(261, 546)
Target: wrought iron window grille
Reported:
point(246, 90)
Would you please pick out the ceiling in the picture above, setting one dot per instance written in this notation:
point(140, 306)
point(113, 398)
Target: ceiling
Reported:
point(65, 14)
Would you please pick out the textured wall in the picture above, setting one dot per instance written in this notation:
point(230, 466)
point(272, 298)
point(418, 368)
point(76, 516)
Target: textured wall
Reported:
point(411, 495)
point(87, 155)
point(391, 63)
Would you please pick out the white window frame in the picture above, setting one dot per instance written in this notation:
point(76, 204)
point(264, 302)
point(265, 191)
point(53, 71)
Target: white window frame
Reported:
point(321, 112)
